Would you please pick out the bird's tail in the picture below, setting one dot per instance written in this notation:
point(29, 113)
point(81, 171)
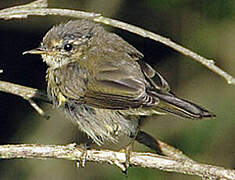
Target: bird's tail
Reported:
point(183, 108)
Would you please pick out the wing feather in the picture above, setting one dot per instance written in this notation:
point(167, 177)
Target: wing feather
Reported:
point(155, 79)
point(118, 85)
point(112, 85)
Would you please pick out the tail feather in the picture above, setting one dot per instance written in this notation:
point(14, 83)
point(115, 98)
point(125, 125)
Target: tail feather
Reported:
point(172, 104)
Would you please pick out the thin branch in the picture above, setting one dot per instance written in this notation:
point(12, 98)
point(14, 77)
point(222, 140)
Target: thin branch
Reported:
point(26, 93)
point(24, 11)
point(149, 160)
point(37, 108)
point(34, 5)
point(23, 91)
point(171, 151)
point(32, 9)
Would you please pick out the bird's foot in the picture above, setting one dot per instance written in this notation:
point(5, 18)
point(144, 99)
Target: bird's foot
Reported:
point(127, 150)
point(82, 160)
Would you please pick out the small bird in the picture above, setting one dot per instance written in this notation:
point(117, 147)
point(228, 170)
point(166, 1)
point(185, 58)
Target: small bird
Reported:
point(103, 85)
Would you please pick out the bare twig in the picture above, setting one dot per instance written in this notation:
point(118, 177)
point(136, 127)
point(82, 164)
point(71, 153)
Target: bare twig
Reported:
point(32, 9)
point(37, 108)
point(171, 151)
point(70, 152)
point(34, 5)
point(35, 8)
point(23, 91)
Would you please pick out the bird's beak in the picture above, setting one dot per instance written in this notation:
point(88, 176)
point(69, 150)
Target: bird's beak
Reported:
point(36, 51)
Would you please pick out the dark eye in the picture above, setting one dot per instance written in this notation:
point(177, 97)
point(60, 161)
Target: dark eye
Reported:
point(68, 47)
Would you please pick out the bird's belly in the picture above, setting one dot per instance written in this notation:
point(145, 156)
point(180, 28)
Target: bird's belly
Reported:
point(100, 124)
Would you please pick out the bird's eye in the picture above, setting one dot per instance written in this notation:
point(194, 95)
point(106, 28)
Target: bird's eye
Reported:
point(68, 47)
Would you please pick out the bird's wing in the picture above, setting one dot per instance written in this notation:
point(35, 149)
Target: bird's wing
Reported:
point(157, 82)
point(112, 85)
point(118, 85)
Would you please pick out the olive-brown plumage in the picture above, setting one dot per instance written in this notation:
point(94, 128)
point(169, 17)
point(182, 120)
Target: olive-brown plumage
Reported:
point(102, 83)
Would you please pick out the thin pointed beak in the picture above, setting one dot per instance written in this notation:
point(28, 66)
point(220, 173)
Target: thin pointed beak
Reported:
point(35, 51)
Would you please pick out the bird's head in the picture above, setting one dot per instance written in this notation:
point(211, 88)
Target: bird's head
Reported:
point(66, 42)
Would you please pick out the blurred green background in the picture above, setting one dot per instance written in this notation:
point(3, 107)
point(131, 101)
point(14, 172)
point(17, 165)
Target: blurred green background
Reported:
point(206, 27)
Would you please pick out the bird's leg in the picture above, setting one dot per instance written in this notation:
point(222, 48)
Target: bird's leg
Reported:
point(143, 138)
point(127, 149)
point(84, 146)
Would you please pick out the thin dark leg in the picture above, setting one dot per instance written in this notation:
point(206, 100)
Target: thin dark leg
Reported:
point(149, 141)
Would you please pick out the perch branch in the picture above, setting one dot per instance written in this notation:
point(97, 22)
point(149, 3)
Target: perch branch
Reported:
point(26, 93)
point(22, 91)
point(41, 10)
point(71, 152)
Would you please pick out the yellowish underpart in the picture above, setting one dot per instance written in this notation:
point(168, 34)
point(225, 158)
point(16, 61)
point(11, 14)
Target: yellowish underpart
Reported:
point(61, 99)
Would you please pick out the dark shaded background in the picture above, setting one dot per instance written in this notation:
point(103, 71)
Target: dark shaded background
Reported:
point(207, 27)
